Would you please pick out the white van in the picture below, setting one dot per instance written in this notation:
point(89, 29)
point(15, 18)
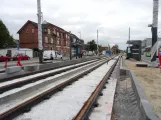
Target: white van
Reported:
point(51, 54)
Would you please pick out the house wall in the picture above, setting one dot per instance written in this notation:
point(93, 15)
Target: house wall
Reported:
point(29, 39)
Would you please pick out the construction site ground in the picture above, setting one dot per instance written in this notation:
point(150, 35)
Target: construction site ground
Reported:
point(150, 80)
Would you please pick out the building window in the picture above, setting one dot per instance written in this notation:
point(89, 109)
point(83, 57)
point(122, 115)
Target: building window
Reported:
point(33, 30)
point(46, 39)
point(58, 34)
point(61, 35)
point(54, 31)
point(58, 41)
point(52, 41)
point(66, 43)
point(74, 40)
point(48, 31)
point(27, 30)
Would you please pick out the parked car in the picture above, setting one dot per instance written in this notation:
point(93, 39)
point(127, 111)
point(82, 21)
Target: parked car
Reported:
point(4, 58)
point(51, 54)
point(22, 57)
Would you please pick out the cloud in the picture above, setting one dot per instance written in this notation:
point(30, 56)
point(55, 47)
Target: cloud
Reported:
point(111, 17)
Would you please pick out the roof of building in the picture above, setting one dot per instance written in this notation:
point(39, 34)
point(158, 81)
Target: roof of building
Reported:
point(151, 39)
point(74, 36)
point(133, 41)
point(44, 26)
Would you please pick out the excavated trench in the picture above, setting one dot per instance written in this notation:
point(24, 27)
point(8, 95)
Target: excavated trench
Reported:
point(125, 102)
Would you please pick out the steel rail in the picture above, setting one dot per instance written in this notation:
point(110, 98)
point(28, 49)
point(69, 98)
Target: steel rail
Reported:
point(85, 111)
point(26, 106)
point(37, 78)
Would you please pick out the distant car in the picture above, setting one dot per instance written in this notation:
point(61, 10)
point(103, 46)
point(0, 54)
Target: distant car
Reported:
point(51, 54)
point(4, 58)
point(22, 57)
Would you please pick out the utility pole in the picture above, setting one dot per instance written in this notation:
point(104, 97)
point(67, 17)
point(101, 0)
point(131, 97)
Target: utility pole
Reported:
point(97, 44)
point(129, 36)
point(40, 47)
point(128, 48)
point(154, 26)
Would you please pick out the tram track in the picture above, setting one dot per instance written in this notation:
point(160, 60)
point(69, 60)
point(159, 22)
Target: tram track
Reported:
point(86, 109)
point(16, 83)
point(46, 94)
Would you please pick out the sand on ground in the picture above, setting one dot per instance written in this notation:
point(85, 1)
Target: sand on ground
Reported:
point(150, 80)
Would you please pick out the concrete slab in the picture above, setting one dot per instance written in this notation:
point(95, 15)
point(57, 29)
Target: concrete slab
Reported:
point(104, 110)
point(105, 107)
point(31, 68)
point(14, 69)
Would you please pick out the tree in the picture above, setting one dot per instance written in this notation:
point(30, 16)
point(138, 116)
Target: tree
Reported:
point(115, 49)
point(100, 48)
point(91, 45)
point(82, 41)
point(5, 37)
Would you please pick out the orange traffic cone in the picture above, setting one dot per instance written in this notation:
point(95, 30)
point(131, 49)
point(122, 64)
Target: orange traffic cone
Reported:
point(6, 64)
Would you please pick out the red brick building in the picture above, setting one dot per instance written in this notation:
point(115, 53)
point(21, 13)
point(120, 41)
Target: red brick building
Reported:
point(104, 48)
point(53, 37)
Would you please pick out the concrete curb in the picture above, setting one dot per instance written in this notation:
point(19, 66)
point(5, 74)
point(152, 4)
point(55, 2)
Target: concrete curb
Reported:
point(14, 69)
point(2, 71)
point(145, 107)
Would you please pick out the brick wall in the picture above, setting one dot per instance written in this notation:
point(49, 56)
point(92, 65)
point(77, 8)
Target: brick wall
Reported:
point(28, 37)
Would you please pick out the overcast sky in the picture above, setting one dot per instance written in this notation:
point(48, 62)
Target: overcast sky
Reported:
point(111, 17)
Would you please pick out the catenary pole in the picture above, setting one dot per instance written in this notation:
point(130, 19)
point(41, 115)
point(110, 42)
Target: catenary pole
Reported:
point(40, 47)
point(155, 25)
